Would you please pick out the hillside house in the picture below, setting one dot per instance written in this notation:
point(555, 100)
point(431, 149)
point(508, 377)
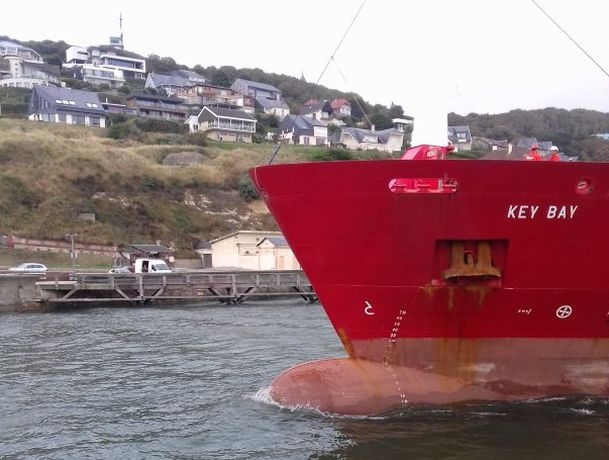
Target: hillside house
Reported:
point(204, 94)
point(303, 130)
point(170, 84)
point(68, 106)
point(223, 124)
point(107, 57)
point(175, 82)
point(272, 107)
point(318, 110)
point(161, 107)
point(96, 75)
point(341, 108)
point(110, 57)
point(22, 67)
point(386, 140)
point(460, 137)
point(255, 89)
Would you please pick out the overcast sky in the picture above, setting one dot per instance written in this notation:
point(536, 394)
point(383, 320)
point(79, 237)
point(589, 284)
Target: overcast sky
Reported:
point(484, 56)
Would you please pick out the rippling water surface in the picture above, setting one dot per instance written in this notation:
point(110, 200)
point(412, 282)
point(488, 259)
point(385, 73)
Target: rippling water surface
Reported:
point(188, 383)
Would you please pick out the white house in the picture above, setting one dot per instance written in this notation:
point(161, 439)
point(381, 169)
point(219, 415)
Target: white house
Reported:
point(22, 67)
point(223, 124)
point(253, 250)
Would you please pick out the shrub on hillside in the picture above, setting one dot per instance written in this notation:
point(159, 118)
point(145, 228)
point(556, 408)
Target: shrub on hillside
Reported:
point(121, 131)
point(14, 110)
point(247, 190)
point(332, 155)
point(160, 126)
point(134, 127)
point(197, 138)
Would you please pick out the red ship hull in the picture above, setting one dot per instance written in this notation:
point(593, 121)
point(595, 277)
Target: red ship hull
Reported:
point(449, 280)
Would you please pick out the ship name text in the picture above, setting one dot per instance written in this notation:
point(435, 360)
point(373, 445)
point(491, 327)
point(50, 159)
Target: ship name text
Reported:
point(529, 211)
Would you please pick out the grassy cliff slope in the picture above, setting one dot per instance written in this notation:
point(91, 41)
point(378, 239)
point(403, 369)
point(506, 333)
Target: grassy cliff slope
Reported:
point(50, 174)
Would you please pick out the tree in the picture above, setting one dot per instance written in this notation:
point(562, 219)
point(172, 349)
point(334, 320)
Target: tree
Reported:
point(224, 76)
point(396, 111)
point(164, 65)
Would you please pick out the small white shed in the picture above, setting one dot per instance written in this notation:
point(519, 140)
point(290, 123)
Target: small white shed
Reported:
point(276, 254)
point(253, 250)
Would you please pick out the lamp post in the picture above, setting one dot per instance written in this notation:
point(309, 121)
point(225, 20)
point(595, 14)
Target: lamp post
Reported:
point(72, 252)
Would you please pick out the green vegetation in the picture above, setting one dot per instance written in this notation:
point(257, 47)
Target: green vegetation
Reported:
point(14, 102)
point(570, 130)
point(51, 173)
point(55, 260)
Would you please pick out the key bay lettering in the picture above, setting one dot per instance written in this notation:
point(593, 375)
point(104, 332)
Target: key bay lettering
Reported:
point(530, 211)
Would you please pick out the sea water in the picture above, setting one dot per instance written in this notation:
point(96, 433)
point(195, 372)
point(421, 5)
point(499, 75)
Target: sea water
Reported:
point(190, 382)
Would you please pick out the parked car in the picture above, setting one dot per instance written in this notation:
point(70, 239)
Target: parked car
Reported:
point(125, 269)
point(29, 267)
point(144, 265)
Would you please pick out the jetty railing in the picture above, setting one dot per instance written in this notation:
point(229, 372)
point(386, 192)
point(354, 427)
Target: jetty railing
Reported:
point(226, 287)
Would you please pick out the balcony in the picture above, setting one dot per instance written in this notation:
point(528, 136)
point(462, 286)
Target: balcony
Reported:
point(232, 125)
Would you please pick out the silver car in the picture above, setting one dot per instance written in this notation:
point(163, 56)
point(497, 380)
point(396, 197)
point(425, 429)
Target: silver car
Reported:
point(29, 267)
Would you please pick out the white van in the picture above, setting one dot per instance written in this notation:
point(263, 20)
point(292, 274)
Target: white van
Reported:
point(143, 265)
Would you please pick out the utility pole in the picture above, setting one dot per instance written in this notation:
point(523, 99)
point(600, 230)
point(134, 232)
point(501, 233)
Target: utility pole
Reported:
point(72, 251)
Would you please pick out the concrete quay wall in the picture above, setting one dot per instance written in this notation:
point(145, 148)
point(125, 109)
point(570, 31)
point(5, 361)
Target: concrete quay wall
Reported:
point(18, 293)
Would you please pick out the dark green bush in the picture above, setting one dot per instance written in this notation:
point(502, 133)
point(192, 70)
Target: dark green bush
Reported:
point(247, 190)
point(333, 155)
point(197, 138)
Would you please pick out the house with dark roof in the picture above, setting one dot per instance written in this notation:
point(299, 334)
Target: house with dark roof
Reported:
point(272, 107)
point(154, 106)
point(256, 89)
point(303, 130)
point(319, 110)
point(190, 75)
point(524, 144)
point(168, 83)
point(223, 124)
point(69, 106)
point(386, 140)
point(460, 137)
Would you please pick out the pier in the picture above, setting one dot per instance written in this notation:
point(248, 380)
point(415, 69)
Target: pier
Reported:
point(61, 289)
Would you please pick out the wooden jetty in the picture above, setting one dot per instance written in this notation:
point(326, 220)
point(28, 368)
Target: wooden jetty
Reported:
point(68, 289)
